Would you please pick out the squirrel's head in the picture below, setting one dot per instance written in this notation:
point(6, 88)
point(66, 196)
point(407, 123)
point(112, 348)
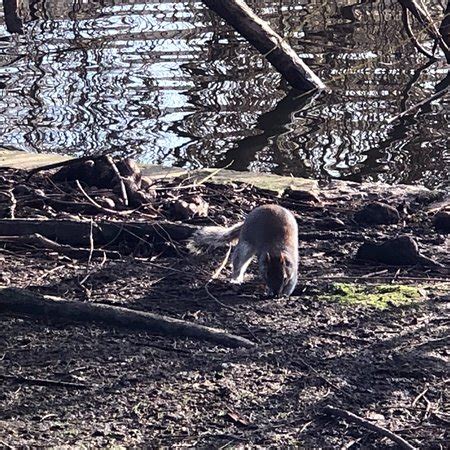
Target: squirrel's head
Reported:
point(278, 270)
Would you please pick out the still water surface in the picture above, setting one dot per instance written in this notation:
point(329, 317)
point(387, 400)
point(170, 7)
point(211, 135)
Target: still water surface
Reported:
point(170, 83)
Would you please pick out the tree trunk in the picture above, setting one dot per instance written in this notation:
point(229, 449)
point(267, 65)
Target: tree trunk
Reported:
point(259, 33)
point(13, 19)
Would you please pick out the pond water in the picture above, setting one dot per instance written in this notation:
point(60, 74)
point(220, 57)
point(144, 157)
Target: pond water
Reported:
point(169, 82)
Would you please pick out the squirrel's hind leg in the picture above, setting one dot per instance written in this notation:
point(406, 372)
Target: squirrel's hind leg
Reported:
point(242, 257)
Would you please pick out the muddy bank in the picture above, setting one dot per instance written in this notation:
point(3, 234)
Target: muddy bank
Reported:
point(358, 334)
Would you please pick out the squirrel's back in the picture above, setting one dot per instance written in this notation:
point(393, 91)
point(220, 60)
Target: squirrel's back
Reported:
point(270, 228)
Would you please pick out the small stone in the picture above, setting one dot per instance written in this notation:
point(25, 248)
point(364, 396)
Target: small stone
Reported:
point(129, 168)
point(195, 206)
point(21, 189)
point(377, 213)
point(441, 221)
point(107, 202)
point(330, 223)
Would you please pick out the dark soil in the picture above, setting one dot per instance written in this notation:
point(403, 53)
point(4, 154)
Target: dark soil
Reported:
point(389, 366)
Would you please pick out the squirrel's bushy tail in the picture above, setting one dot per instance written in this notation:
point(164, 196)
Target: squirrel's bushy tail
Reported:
point(214, 237)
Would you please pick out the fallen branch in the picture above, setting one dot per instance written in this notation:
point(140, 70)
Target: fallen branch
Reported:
point(26, 303)
point(411, 35)
point(419, 105)
point(119, 179)
point(43, 382)
point(100, 207)
point(444, 29)
point(421, 14)
point(42, 242)
point(77, 233)
point(344, 414)
point(259, 33)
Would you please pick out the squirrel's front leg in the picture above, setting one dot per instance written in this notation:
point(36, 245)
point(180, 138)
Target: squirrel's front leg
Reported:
point(242, 256)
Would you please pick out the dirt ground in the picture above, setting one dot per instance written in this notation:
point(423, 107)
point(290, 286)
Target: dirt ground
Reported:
point(385, 359)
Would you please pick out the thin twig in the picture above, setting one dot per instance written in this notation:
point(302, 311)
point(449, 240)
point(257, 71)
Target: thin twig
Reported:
point(217, 300)
point(43, 242)
point(214, 276)
point(43, 382)
point(196, 183)
point(325, 379)
point(91, 251)
point(419, 397)
point(222, 265)
point(431, 342)
point(123, 189)
point(91, 245)
point(344, 414)
point(34, 281)
point(100, 207)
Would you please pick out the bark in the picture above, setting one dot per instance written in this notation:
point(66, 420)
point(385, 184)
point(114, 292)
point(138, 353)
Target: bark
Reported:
point(259, 33)
point(26, 303)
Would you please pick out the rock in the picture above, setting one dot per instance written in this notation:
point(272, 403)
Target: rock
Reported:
point(131, 174)
point(330, 223)
point(21, 189)
point(441, 221)
point(84, 171)
point(377, 213)
point(192, 207)
point(129, 168)
point(400, 251)
point(301, 195)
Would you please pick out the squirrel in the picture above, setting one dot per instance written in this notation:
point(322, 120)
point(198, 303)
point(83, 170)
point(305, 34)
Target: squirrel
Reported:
point(270, 232)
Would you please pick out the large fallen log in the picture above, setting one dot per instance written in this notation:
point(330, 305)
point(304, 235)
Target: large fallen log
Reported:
point(41, 242)
point(78, 233)
point(30, 304)
point(259, 33)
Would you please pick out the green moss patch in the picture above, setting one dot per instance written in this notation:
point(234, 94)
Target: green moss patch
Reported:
point(379, 296)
